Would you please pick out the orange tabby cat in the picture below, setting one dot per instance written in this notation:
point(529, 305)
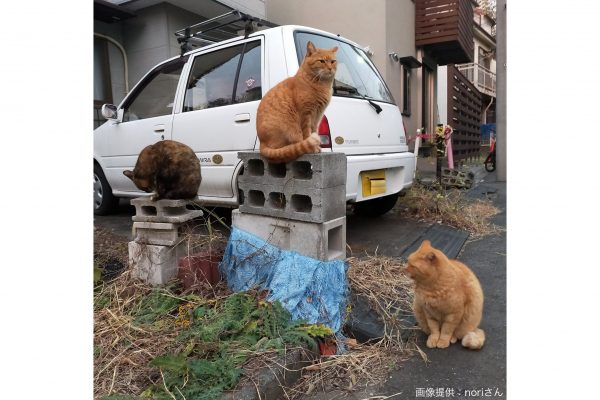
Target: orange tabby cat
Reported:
point(289, 114)
point(448, 299)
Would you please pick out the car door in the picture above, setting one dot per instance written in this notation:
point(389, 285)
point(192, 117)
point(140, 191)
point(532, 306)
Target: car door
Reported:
point(145, 117)
point(218, 111)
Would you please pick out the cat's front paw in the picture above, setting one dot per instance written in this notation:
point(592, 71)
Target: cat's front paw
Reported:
point(443, 343)
point(432, 341)
point(315, 142)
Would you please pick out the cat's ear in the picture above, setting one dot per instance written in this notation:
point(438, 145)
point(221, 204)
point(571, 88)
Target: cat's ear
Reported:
point(334, 49)
point(310, 48)
point(128, 174)
point(430, 256)
point(426, 243)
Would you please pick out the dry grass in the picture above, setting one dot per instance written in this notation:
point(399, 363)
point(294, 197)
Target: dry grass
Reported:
point(389, 292)
point(450, 207)
point(123, 348)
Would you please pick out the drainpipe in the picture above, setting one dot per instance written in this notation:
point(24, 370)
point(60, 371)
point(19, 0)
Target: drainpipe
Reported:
point(113, 41)
point(485, 111)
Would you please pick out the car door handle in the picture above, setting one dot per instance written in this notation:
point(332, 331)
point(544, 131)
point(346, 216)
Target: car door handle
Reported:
point(245, 117)
point(159, 128)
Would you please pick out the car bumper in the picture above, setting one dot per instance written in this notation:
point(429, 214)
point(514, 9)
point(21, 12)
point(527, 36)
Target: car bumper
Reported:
point(398, 170)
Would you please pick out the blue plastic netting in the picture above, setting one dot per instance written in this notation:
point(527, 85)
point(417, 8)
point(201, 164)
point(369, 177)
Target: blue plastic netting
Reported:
point(312, 290)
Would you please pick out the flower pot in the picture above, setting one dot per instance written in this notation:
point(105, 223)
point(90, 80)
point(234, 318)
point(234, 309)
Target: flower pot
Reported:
point(327, 347)
point(199, 267)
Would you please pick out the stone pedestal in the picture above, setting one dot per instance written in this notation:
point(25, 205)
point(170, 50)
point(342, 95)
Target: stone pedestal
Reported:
point(157, 247)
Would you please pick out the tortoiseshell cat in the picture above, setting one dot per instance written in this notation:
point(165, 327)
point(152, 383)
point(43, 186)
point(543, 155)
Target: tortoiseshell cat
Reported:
point(448, 299)
point(289, 114)
point(169, 168)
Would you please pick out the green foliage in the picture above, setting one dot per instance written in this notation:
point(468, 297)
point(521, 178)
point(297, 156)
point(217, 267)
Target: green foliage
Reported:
point(220, 340)
point(318, 330)
point(155, 305)
point(97, 275)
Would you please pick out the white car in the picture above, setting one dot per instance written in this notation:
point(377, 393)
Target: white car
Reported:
point(208, 99)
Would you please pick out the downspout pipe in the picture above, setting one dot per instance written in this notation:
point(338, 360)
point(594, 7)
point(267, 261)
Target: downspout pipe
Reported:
point(113, 41)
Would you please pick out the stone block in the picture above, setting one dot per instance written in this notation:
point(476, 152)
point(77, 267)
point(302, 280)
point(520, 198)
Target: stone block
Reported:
point(314, 171)
point(154, 264)
point(322, 241)
point(165, 210)
point(310, 205)
point(161, 233)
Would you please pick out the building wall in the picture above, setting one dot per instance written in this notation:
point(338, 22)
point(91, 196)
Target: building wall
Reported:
point(400, 39)
point(442, 89)
point(255, 8)
point(487, 47)
point(177, 19)
point(340, 17)
point(146, 40)
point(116, 59)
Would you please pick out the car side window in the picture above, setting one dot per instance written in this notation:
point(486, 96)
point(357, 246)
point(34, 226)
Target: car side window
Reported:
point(156, 95)
point(213, 77)
point(249, 83)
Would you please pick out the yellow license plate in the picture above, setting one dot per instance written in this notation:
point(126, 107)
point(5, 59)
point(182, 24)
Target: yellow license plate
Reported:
point(373, 182)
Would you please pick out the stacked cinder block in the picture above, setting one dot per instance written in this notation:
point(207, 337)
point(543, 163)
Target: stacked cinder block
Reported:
point(454, 178)
point(156, 244)
point(299, 206)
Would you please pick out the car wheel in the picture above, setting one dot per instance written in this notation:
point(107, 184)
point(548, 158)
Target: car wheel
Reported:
point(104, 201)
point(376, 207)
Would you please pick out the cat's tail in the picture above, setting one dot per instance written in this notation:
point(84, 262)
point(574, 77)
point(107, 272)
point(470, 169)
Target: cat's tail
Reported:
point(474, 340)
point(311, 144)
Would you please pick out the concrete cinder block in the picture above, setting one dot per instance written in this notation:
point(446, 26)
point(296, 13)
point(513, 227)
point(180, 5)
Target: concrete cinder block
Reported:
point(323, 241)
point(154, 264)
point(161, 233)
point(318, 171)
point(165, 210)
point(309, 204)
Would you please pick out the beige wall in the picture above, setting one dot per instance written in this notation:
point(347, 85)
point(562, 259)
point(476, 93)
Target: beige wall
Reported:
point(386, 26)
point(400, 39)
point(362, 21)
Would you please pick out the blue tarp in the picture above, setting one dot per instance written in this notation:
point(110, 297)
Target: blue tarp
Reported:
point(485, 131)
point(312, 290)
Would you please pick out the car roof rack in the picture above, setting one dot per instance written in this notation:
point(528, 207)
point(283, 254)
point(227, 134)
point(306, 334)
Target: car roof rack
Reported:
point(219, 28)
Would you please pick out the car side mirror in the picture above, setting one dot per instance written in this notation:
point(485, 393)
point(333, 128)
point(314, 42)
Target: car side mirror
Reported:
point(109, 111)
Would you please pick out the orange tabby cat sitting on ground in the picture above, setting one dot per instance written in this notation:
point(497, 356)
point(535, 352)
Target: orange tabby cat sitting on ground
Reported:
point(448, 299)
point(289, 114)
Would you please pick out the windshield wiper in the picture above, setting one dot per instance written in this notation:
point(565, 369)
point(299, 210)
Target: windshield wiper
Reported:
point(353, 90)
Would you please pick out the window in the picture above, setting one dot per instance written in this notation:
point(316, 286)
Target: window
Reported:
point(405, 90)
point(102, 89)
point(215, 75)
point(156, 95)
point(356, 75)
point(102, 92)
point(249, 80)
point(484, 58)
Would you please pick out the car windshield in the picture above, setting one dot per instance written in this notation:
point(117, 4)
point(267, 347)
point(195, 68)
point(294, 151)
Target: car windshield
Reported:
point(356, 75)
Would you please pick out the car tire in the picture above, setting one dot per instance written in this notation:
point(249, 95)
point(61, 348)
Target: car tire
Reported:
point(104, 201)
point(376, 207)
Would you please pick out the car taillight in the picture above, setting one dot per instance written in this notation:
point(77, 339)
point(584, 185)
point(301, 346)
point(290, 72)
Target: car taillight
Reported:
point(324, 133)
